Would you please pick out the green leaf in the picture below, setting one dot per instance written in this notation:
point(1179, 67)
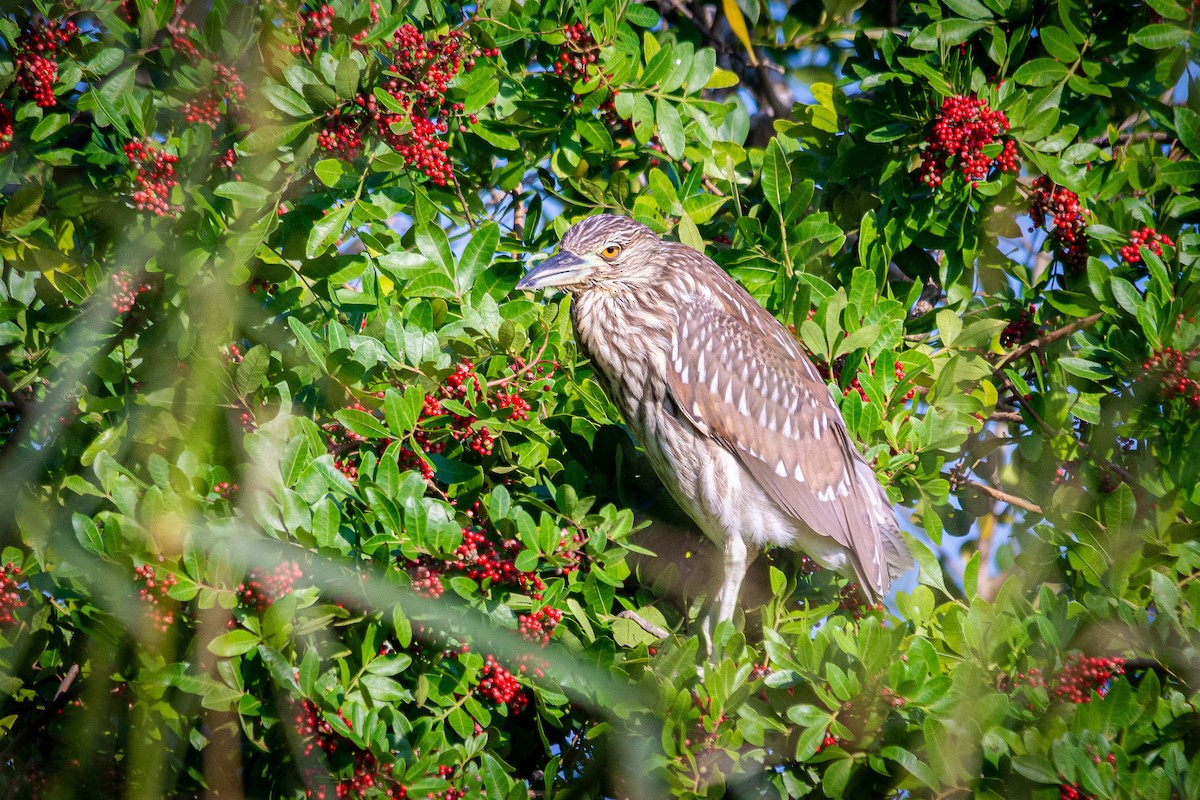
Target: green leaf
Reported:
point(1125, 294)
point(670, 128)
point(971, 9)
point(1187, 125)
point(22, 206)
point(286, 99)
point(1058, 44)
point(477, 256)
point(1040, 72)
point(642, 16)
point(361, 423)
point(1180, 173)
point(327, 230)
point(244, 192)
point(330, 171)
point(1085, 368)
point(776, 175)
point(346, 80)
point(234, 643)
point(1037, 768)
point(1160, 36)
point(252, 372)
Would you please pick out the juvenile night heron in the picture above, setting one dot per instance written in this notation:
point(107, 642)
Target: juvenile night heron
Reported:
point(735, 419)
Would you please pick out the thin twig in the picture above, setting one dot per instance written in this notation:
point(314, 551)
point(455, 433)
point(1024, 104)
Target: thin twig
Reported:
point(644, 624)
point(1006, 416)
point(1049, 338)
point(1003, 497)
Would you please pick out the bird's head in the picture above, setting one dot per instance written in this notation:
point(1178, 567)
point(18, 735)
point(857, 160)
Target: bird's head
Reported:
point(604, 250)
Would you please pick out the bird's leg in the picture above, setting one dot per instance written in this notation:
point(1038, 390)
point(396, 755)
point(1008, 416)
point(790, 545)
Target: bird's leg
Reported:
point(737, 559)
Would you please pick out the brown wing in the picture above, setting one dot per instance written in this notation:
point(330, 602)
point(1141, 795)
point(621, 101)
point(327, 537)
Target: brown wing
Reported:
point(735, 377)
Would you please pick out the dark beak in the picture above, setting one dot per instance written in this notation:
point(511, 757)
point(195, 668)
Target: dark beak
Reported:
point(564, 269)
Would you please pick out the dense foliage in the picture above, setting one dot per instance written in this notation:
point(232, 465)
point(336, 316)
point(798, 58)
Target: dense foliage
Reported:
point(300, 498)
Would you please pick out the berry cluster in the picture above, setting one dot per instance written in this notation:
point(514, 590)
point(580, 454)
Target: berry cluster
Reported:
point(10, 598)
point(260, 284)
point(426, 581)
point(227, 160)
point(6, 128)
point(225, 490)
point(368, 775)
point(965, 126)
point(1149, 238)
point(1020, 329)
point(485, 556)
point(155, 178)
point(852, 600)
point(1169, 368)
point(315, 26)
point(539, 626)
point(1061, 206)
point(262, 588)
point(180, 32)
point(124, 292)
point(829, 741)
point(233, 354)
point(206, 109)
point(1079, 676)
point(834, 373)
point(37, 59)
point(417, 77)
point(498, 685)
point(153, 594)
point(579, 52)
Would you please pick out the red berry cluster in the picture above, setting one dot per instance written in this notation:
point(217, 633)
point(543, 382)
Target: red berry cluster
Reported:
point(227, 161)
point(124, 292)
point(835, 372)
point(1071, 792)
point(263, 588)
point(417, 76)
point(517, 404)
point(368, 775)
point(153, 594)
point(852, 600)
point(498, 685)
point(233, 354)
point(1061, 206)
point(180, 32)
point(10, 598)
point(579, 52)
point(155, 178)
point(1149, 238)
point(829, 741)
point(315, 26)
point(1169, 368)
point(965, 126)
point(539, 626)
point(1019, 329)
point(37, 59)
point(705, 730)
point(260, 284)
point(6, 128)
point(426, 581)
point(485, 556)
point(225, 490)
point(206, 109)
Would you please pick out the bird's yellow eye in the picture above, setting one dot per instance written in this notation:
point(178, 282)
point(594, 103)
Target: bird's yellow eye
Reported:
point(610, 251)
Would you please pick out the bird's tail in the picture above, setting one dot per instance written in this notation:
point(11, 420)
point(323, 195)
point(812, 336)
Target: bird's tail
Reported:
point(895, 551)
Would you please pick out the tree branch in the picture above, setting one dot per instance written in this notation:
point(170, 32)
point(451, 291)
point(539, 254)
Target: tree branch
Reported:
point(1049, 338)
point(1003, 497)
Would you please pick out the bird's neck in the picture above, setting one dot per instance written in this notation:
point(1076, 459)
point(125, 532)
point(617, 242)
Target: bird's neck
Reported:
point(627, 337)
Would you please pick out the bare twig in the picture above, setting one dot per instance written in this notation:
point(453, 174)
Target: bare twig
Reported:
point(1050, 338)
point(1003, 497)
point(1006, 416)
point(519, 212)
point(644, 624)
